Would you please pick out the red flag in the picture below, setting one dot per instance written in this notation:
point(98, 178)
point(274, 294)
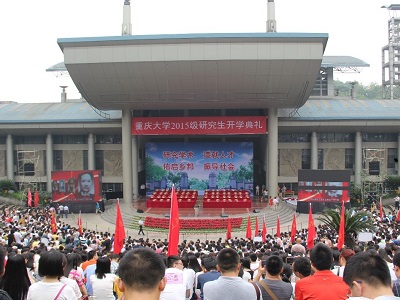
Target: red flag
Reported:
point(53, 224)
point(174, 225)
point(36, 198)
point(311, 230)
point(229, 230)
point(256, 229)
point(264, 231)
point(340, 242)
point(294, 229)
point(80, 223)
point(248, 231)
point(398, 216)
point(119, 234)
point(278, 227)
point(380, 208)
point(29, 198)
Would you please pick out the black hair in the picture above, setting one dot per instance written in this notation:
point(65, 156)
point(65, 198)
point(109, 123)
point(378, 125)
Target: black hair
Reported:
point(103, 266)
point(321, 257)
point(274, 265)
point(15, 280)
point(367, 267)
point(171, 260)
point(133, 263)
point(302, 265)
point(51, 264)
point(228, 260)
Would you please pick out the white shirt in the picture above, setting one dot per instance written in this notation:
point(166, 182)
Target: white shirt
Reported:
point(176, 286)
point(48, 291)
point(103, 288)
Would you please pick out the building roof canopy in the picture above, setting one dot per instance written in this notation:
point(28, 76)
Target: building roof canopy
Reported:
point(191, 71)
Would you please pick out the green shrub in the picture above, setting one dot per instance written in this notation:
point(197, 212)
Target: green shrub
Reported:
point(6, 185)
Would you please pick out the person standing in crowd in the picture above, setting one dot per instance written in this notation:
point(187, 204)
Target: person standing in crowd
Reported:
point(60, 210)
point(344, 256)
point(367, 275)
point(15, 280)
point(141, 223)
point(73, 271)
point(229, 285)
point(136, 284)
point(298, 248)
point(210, 273)
point(396, 267)
point(177, 287)
point(273, 284)
point(397, 202)
point(66, 211)
point(103, 280)
point(323, 283)
point(50, 287)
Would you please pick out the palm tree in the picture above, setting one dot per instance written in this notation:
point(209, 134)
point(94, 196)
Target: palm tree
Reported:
point(355, 222)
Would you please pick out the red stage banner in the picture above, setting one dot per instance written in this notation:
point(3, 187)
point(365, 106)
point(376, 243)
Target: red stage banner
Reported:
point(199, 125)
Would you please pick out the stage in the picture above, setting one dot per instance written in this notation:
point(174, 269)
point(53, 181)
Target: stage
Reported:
point(202, 212)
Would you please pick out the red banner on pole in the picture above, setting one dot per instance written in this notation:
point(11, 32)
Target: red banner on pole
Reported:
point(199, 125)
point(174, 225)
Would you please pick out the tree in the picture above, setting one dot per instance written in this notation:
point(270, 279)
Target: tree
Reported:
point(355, 222)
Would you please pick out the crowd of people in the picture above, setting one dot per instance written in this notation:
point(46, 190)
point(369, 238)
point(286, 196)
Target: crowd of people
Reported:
point(41, 264)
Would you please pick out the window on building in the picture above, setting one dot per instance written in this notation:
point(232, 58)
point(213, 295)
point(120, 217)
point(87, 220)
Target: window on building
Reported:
point(320, 159)
point(70, 139)
point(349, 158)
point(108, 139)
point(379, 137)
point(294, 137)
point(85, 160)
point(324, 137)
point(99, 160)
point(305, 159)
point(29, 169)
point(374, 168)
point(58, 160)
point(29, 139)
point(392, 155)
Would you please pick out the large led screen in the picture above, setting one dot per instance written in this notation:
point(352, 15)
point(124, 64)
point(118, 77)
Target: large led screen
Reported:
point(324, 185)
point(199, 166)
point(76, 186)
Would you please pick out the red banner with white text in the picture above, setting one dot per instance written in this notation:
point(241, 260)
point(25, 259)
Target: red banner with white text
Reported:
point(199, 125)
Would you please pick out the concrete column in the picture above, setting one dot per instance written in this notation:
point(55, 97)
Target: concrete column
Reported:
point(398, 154)
point(91, 153)
point(314, 151)
point(10, 157)
point(264, 141)
point(135, 176)
point(127, 158)
point(272, 152)
point(357, 158)
point(49, 159)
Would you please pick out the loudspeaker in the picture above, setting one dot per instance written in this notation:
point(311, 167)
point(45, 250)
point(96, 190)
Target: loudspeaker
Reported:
point(224, 215)
point(167, 215)
point(140, 211)
point(256, 211)
point(396, 160)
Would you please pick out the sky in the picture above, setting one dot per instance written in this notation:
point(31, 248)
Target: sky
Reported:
point(29, 31)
